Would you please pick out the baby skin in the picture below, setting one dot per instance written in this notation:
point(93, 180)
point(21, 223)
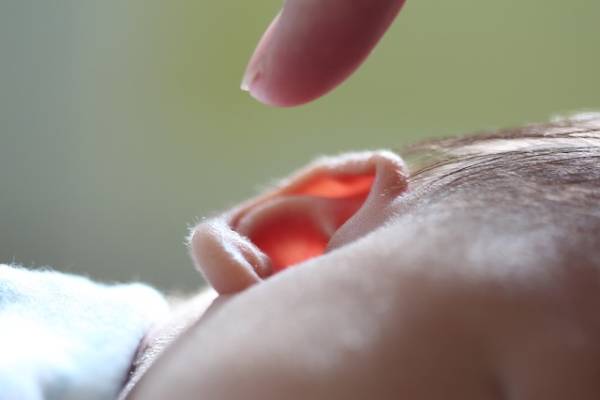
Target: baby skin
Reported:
point(471, 273)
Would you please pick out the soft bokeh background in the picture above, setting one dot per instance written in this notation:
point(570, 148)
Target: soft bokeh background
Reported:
point(121, 122)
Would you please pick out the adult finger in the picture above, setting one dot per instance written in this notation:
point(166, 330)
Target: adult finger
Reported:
point(314, 45)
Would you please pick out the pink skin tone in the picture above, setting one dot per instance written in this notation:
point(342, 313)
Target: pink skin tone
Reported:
point(342, 282)
point(384, 308)
point(314, 45)
point(310, 48)
point(314, 211)
point(325, 206)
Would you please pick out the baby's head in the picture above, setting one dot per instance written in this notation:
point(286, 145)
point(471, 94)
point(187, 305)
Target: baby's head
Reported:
point(526, 194)
point(471, 276)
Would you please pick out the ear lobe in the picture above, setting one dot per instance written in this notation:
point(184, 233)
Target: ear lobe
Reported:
point(295, 221)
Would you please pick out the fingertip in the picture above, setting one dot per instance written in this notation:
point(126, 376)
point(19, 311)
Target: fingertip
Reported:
point(313, 46)
point(253, 80)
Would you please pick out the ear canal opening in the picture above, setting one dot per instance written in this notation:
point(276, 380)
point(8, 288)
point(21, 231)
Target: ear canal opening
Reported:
point(294, 234)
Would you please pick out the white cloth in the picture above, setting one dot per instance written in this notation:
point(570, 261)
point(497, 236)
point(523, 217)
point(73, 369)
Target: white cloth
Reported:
point(64, 337)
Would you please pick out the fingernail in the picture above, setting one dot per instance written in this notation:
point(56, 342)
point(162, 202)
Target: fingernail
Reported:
point(254, 74)
point(249, 77)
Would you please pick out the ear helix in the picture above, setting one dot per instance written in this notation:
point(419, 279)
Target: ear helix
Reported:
point(292, 223)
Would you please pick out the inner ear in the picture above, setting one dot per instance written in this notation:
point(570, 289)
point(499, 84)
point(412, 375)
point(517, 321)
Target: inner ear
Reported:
point(297, 223)
point(338, 186)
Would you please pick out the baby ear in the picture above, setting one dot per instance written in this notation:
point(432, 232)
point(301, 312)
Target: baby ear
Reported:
point(293, 222)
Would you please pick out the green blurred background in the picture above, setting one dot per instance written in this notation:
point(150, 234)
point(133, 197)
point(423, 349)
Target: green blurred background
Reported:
point(121, 122)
